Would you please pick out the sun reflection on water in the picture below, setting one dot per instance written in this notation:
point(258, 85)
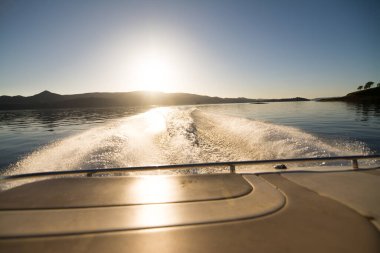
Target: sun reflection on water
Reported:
point(156, 120)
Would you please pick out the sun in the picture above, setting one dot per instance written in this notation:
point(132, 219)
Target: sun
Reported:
point(154, 71)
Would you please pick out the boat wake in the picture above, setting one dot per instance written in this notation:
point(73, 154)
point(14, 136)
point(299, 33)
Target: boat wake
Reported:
point(179, 135)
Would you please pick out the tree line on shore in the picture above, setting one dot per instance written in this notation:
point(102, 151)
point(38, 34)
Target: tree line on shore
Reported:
point(368, 85)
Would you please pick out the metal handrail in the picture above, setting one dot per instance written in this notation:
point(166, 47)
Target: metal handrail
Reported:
point(231, 164)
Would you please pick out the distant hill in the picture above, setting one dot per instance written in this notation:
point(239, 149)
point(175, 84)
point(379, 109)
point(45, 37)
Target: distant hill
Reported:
point(47, 99)
point(296, 99)
point(371, 95)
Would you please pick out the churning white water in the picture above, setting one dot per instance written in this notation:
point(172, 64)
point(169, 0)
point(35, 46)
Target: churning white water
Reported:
point(176, 135)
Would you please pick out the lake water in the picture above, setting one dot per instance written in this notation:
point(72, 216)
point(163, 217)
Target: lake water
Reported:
point(71, 139)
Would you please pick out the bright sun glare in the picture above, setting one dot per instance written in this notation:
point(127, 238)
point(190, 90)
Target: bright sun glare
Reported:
point(154, 71)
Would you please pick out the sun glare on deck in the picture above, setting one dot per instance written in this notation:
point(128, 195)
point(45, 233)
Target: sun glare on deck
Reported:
point(154, 189)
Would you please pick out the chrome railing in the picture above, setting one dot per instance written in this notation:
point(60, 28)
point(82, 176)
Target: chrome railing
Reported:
point(231, 164)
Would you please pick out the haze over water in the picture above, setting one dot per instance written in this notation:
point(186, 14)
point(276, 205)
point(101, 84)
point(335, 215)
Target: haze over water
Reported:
point(72, 139)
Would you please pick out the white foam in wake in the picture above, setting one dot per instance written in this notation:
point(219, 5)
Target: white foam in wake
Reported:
point(178, 135)
point(242, 139)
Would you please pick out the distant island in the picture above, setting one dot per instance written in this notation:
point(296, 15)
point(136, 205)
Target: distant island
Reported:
point(47, 99)
point(369, 95)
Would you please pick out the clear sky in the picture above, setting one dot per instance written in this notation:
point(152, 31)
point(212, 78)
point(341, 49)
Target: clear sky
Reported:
point(256, 49)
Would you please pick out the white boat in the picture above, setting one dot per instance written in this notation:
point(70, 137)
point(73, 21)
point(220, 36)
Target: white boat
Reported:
point(333, 209)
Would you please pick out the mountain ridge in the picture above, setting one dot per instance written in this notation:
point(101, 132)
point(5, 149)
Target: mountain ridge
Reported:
point(47, 99)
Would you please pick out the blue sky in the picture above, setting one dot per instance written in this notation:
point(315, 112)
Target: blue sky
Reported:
point(257, 49)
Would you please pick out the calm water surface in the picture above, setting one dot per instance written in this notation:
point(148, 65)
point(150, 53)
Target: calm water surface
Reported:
point(38, 140)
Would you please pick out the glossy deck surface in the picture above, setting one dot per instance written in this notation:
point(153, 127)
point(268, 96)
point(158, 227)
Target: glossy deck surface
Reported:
point(305, 222)
point(262, 200)
point(357, 190)
point(121, 191)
